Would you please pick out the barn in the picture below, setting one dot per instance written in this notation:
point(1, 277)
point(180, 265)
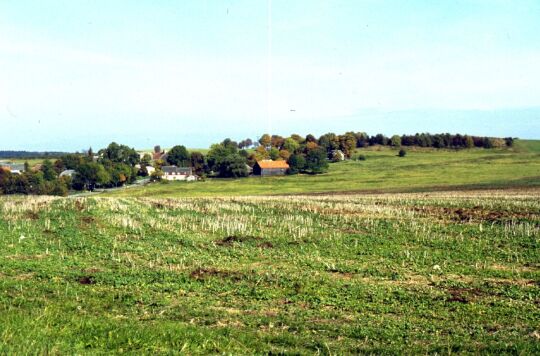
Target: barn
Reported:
point(269, 167)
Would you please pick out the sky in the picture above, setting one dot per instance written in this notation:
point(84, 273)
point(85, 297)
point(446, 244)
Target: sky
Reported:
point(81, 73)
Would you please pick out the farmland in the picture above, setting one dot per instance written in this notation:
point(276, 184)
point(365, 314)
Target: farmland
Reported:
point(417, 272)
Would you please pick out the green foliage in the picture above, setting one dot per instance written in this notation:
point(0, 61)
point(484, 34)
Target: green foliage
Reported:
point(297, 163)
point(291, 145)
point(223, 154)
point(233, 166)
point(274, 153)
point(146, 160)
point(90, 175)
point(395, 141)
point(316, 161)
point(178, 156)
point(402, 153)
point(198, 163)
point(48, 170)
point(119, 154)
point(156, 175)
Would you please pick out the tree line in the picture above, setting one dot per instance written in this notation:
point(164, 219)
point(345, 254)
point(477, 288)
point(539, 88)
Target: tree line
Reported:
point(30, 155)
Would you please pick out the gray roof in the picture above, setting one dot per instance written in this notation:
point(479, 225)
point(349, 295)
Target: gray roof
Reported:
point(177, 170)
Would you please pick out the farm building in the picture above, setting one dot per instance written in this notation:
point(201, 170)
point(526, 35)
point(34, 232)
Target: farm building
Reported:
point(338, 155)
point(67, 173)
point(268, 167)
point(178, 173)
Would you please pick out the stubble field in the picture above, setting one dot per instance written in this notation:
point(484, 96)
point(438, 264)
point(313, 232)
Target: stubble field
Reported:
point(430, 272)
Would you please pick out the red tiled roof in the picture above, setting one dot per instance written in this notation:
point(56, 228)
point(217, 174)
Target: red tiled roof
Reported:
point(267, 163)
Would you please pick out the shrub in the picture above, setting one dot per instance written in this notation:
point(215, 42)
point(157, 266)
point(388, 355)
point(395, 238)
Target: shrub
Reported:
point(361, 158)
point(402, 153)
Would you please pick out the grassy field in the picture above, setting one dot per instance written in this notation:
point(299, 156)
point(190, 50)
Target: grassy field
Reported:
point(382, 171)
point(399, 273)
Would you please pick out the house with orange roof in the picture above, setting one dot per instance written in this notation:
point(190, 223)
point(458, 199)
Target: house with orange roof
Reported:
point(268, 167)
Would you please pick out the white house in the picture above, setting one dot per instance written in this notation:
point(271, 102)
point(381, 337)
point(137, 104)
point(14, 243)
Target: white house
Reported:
point(178, 173)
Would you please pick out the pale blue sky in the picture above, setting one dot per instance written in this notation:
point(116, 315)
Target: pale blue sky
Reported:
point(79, 73)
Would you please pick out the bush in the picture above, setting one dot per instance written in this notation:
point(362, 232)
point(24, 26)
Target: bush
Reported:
point(361, 158)
point(402, 153)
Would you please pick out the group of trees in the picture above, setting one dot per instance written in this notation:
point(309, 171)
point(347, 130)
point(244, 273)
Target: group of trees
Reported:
point(114, 167)
point(39, 182)
point(276, 146)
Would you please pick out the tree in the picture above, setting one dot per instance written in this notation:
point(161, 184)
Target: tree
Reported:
point(277, 141)
point(274, 153)
point(119, 154)
point(198, 163)
point(178, 156)
point(156, 175)
point(49, 174)
point(120, 174)
point(329, 142)
point(316, 160)
point(469, 142)
point(311, 138)
point(265, 140)
point(245, 143)
point(362, 139)
point(284, 155)
point(290, 144)
point(261, 153)
point(347, 143)
point(298, 138)
point(89, 175)
point(218, 152)
point(297, 164)
point(233, 166)
point(146, 160)
point(395, 141)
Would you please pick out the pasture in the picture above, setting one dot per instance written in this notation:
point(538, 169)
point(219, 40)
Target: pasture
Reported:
point(332, 274)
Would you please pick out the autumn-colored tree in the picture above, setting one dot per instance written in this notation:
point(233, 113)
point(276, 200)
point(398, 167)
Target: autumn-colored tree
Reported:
point(347, 143)
point(298, 138)
point(277, 141)
point(284, 155)
point(261, 153)
point(265, 140)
